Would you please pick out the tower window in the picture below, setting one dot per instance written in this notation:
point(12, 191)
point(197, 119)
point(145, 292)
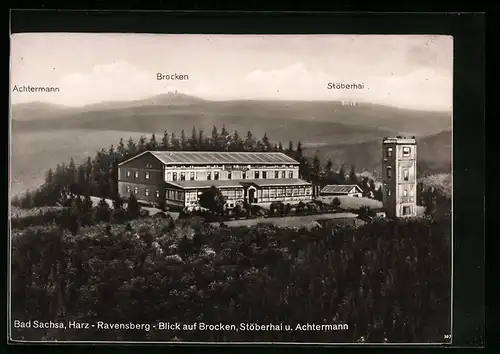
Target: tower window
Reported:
point(257, 174)
point(191, 176)
point(406, 174)
point(136, 175)
point(264, 174)
point(183, 176)
point(216, 175)
point(406, 210)
point(389, 152)
point(229, 175)
point(147, 175)
point(209, 176)
point(406, 151)
point(136, 190)
point(405, 193)
point(157, 194)
point(127, 189)
point(174, 176)
point(283, 174)
point(290, 174)
point(128, 173)
point(276, 174)
point(146, 192)
point(389, 172)
point(388, 192)
point(244, 175)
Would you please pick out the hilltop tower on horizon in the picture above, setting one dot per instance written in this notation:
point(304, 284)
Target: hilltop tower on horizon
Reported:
point(399, 176)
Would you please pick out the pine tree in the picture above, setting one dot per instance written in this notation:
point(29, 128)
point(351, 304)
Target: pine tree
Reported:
point(316, 168)
point(103, 211)
point(250, 142)
point(193, 142)
point(290, 151)
point(165, 141)
point(122, 151)
point(299, 154)
point(141, 146)
point(237, 142)
point(280, 146)
point(225, 139)
point(133, 208)
point(214, 140)
point(353, 179)
point(174, 142)
point(373, 188)
point(131, 147)
point(153, 143)
point(329, 166)
point(341, 175)
point(266, 143)
point(183, 142)
point(201, 140)
point(72, 177)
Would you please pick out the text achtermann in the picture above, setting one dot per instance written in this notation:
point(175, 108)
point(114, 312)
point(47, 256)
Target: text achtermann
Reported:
point(29, 88)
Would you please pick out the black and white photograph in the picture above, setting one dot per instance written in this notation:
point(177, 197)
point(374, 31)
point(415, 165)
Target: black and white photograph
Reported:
point(189, 188)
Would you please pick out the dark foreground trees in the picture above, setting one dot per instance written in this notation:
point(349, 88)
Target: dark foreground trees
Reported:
point(387, 280)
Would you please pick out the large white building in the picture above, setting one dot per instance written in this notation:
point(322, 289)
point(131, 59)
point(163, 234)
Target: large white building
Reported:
point(180, 177)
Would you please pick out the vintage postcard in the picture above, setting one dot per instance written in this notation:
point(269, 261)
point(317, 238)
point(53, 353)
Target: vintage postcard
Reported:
point(231, 188)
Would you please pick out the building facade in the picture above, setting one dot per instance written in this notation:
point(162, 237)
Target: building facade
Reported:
point(178, 178)
point(399, 169)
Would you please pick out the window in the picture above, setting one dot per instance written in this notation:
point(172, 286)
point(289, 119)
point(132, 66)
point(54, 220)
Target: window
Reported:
point(406, 174)
point(183, 176)
point(272, 193)
point(411, 199)
point(389, 152)
point(302, 191)
point(406, 210)
point(243, 175)
point(216, 175)
point(295, 192)
point(157, 194)
point(128, 173)
point(136, 190)
point(229, 175)
point(276, 174)
point(406, 151)
point(389, 172)
point(146, 192)
point(265, 193)
point(174, 176)
point(146, 175)
point(169, 176)
point(290, 174)
point(281, 192)
point(136, 175)
point(405, 193)
point(191, 176)
point(289, 192)
point(127, 189)
point(209, 176)
point(264, 174)
point(149, 166)
point(388, 192)
point(257, 174)
point(283, 174)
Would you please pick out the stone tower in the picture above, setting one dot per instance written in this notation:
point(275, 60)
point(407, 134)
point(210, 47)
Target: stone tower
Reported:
point(399, 176)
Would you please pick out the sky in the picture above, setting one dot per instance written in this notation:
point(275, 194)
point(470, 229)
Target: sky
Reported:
point(414, 72)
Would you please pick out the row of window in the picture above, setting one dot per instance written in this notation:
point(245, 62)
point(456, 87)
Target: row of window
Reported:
point(406, 151)
point(406, 173)
point(215, 175)
point(147, 174)
point(147, 192)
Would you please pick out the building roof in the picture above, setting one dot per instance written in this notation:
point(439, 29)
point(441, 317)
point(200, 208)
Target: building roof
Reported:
point(219, 158)
point(340, 188)
point(238, 183)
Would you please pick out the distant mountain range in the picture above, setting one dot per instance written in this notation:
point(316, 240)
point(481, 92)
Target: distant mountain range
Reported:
point(318, 122)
